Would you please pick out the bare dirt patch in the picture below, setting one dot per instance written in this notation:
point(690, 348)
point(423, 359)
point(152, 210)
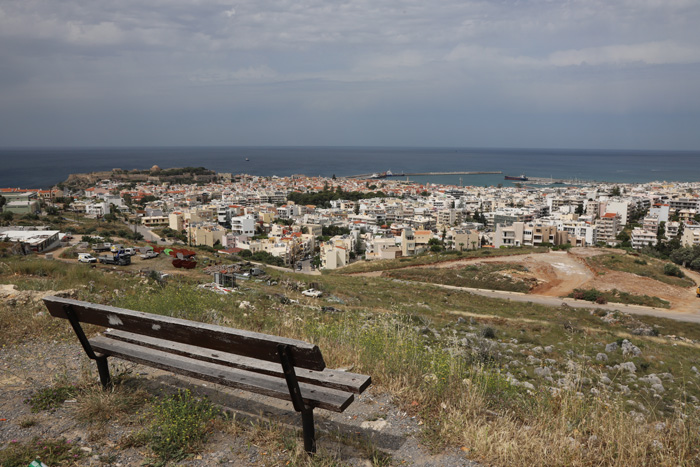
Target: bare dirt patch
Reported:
point(558, 273)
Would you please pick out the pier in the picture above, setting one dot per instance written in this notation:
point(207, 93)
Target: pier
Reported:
point(418, 174)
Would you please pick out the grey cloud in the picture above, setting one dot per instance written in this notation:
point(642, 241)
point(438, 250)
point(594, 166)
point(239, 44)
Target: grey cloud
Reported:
point(335, 61)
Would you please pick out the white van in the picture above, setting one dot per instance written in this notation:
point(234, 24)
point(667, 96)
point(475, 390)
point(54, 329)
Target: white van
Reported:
point(86, 258)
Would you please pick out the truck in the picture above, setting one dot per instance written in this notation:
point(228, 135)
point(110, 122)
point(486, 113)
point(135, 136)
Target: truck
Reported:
point(101, 247)
point(118, 260)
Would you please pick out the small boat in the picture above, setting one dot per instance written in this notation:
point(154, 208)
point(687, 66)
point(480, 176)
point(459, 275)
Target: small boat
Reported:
point(246, 159)
point(521, 178)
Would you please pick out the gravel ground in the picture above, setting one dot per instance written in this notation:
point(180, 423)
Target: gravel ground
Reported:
point(31, 366)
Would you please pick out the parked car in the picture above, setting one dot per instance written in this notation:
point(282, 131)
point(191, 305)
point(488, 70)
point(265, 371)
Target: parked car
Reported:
point(86, 258)
point(312, 293)
point(149, 254)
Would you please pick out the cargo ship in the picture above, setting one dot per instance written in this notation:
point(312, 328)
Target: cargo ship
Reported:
point(521, 178)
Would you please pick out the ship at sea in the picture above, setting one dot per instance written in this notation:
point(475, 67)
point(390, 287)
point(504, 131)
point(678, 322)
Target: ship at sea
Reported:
point(521, 178)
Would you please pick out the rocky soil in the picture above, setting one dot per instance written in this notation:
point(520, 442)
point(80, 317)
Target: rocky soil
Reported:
point(372, 420)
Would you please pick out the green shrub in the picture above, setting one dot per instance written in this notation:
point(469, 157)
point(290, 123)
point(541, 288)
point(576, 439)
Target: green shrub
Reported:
point(673, 270)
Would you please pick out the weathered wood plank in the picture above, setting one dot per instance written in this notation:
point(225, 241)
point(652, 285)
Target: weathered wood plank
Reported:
point(342, 380)
point(315, 396)
point(245, 343)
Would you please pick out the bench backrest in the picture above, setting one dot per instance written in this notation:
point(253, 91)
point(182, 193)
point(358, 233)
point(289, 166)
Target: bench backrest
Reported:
point(223, 339)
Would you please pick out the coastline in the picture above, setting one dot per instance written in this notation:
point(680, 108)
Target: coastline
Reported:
point(43, 168)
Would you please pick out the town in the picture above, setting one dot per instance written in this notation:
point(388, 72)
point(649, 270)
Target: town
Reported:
point(453, 310)
point(313, 222)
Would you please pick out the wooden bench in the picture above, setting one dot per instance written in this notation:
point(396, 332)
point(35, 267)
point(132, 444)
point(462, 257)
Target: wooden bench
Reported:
point(278, 367)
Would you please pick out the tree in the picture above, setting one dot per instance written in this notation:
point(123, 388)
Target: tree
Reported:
point(356, 209)
point(624, 238)
point(2, 201)
point(359, 247)
point(686, 255)
point(615, 191)
point(661, 232)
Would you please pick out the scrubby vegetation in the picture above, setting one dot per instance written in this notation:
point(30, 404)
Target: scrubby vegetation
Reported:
point(642, 266)
point(495, 276)
point(433, 258)
point(509, 384)
point(618, 296)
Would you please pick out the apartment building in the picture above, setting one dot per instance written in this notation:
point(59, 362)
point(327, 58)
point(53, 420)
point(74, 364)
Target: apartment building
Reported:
point(408, 242)
point(462, 239)
point(691, 235)
point(607, 228)
point(205, 234)
point(448, 217)
point(680, 203)
point(243, 225)
point(335, 253)
point(642, 237)
point(687, 215)
point(382, 248)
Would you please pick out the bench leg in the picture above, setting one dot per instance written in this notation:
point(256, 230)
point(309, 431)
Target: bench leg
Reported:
point(307, 422)
point(103, 370)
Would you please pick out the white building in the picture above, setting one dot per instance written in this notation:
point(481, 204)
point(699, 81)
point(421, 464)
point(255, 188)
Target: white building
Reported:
point(641, 238)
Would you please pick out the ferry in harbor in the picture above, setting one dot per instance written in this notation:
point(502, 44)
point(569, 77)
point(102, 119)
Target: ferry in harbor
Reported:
point(521, 178)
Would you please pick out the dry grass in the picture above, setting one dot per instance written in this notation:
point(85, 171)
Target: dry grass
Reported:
point(459, 391)
point(120, 403)
point(432, 258)
point(567, 429)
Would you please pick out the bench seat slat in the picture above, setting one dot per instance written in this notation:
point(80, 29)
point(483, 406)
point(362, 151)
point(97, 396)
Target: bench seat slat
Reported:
point(315, 396)
point(246, 343)
point(342, 380)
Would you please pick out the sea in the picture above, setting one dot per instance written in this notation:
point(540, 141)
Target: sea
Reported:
point(45, 167)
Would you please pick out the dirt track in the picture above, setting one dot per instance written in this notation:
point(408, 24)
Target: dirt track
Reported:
point(558, 273)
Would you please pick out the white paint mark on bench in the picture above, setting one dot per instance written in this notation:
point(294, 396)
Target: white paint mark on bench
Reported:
point(114, 320)
point(156, 327)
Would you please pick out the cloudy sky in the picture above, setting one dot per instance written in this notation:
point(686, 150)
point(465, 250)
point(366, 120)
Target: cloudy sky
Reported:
point(490, 73)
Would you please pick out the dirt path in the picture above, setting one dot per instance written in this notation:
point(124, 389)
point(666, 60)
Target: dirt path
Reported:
point(558, 273)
